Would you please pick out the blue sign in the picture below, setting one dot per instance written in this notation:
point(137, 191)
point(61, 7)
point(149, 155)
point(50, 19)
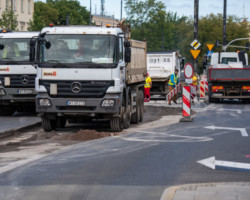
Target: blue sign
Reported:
point(209, 53)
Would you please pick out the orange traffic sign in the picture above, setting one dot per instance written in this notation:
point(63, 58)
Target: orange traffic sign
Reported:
point(195, 53)
point(210, 46)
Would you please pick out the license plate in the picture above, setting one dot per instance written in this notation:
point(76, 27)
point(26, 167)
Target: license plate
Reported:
point(24, 91)
point(75, 103)
point(217, 95)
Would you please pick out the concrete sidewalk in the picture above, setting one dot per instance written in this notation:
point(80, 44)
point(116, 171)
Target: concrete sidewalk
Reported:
point(209, 191)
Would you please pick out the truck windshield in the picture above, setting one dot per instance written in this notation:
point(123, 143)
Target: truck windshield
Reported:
point(79, 49)
point(15, 49)
point(225, 60)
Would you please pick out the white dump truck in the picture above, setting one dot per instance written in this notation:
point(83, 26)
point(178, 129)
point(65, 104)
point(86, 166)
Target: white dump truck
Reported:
point(88, 72)
point(17, 74)
point(160, 65)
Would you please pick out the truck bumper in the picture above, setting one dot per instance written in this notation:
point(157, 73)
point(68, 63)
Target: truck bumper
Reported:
point(230, 97)
point(91, 105)
point(17, 95)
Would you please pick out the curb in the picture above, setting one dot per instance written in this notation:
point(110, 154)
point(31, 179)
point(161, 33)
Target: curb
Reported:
point(169, 193)
point(12, 132)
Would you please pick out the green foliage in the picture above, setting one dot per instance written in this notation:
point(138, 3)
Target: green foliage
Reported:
point(55, 11)
point(78, 15)
point(8, 20)
point(43, 16)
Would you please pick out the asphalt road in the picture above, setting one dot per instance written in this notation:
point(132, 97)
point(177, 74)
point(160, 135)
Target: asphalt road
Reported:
point(17, 120)
point(140, 165)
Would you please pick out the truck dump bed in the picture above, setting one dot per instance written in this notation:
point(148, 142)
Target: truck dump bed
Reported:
point(137, 68)
point(229, 74)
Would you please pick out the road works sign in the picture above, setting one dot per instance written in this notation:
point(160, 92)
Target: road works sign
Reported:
point(195, 53)
point(210, 46)
point(195, 44)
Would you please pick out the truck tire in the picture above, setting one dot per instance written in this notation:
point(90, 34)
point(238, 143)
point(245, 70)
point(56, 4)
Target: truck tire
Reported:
point(48, 124)
point(127, 118)
point(116, 124)
point(135, 117)
point(210, 100)
point(60, 122)
point(141, 106)
point(7, 110)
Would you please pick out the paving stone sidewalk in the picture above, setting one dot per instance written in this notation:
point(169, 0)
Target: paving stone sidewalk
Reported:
point(210, 191)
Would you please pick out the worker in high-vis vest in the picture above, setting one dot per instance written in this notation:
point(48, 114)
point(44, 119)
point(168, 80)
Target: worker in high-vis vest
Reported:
point(11, 51)
point(172, 83)
point(147, 86)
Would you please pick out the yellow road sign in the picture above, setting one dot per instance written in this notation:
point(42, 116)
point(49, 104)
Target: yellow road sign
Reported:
point(195, 53)
point(210, 46)
point(195, 44)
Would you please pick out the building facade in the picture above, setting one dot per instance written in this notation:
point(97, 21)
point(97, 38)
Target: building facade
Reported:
point(100, 20)
point(22, 8)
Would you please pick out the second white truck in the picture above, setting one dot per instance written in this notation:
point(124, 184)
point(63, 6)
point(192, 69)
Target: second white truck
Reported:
point(160, 66)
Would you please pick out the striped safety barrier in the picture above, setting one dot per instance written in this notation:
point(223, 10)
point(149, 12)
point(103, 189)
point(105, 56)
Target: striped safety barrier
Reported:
point(206, 83)
point(202, 89)
point(186, 101)
point(173, 92)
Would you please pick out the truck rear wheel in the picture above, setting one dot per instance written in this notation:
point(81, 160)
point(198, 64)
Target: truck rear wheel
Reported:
point(141, 106)
point(7, 110)
point(135, 117)
point(116, 124)
point(48, 124)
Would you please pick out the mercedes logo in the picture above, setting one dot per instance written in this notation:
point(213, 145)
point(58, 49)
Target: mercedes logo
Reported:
point(76, 87)
point(25, 79)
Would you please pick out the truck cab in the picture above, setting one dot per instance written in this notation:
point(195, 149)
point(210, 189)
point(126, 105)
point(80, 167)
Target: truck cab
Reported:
point(84, 73)
point(226, 57)
point(17, 73)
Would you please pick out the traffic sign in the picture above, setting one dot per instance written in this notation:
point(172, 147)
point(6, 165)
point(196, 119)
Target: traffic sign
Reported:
point(209, 53)
point(195, 44)
point(210, 46)
point(195, 53)
point(188, 71)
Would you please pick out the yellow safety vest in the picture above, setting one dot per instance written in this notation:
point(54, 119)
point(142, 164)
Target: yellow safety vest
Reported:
point(175, 80)
point(5, 51)
point(147, 84)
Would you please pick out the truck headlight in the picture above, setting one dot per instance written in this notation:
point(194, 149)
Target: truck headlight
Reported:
point(108, 103)
point(44, 102)
point(2, 92)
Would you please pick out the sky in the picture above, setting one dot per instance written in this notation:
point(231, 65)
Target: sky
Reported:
point(181, 7)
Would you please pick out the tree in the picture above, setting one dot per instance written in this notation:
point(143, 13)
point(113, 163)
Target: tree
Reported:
point(9, 20)
point(78, 15)
point(43, 16)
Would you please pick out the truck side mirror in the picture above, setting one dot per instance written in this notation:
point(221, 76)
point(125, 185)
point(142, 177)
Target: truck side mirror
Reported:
point(47, 44)
point(32, 49)
point(1, 46)
point(127, 54)
point(182, 63)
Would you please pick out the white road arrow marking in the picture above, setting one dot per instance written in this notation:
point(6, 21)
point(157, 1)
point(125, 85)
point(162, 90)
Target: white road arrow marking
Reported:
point(219, 164)
point(242, 130)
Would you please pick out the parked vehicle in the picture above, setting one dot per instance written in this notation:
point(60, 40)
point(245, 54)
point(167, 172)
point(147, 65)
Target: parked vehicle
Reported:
point(88, 72)
point(160, 66)
point(17, 74)
point(229, 76)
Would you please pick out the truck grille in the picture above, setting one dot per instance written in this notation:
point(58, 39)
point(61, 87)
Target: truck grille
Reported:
point(19, 81)
point(75, 89)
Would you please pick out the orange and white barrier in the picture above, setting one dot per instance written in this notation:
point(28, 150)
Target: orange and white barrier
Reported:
point(173, 92)
point(202, 89)
point(186, 101)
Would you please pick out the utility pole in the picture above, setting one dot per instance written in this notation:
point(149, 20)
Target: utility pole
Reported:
point(121, 10)
point(67, 19)
point(90, 11)
point(196, 28)
point(225, 26)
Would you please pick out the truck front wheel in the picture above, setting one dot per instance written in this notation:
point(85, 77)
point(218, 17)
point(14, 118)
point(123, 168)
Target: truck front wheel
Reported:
point(116, 124)
point(48, 124)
